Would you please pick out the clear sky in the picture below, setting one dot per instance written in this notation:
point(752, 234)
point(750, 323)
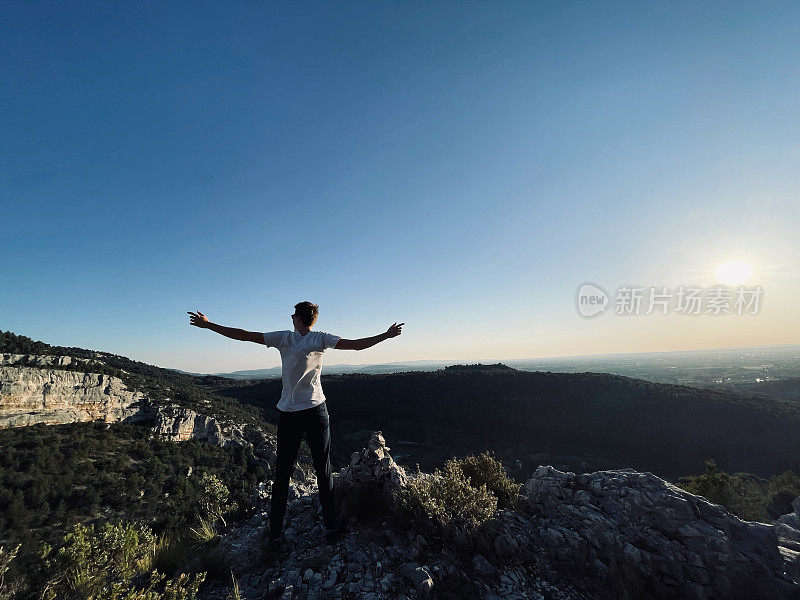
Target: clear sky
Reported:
point(460, 167)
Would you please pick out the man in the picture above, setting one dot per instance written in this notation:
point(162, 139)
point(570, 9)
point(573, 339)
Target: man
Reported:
point(302, 408)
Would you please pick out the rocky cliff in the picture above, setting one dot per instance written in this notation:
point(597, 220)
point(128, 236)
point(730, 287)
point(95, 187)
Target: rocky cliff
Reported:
point(787, 527)
point(39, 360)
point(37, 389)
point(32, 394)
point(176, 423)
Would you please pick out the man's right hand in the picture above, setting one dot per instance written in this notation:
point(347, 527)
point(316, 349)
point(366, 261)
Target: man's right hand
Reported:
point(198, 319)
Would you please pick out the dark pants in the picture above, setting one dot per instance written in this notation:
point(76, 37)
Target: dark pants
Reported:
point(315, 424)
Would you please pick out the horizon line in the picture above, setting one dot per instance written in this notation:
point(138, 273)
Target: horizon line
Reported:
point(495, 360)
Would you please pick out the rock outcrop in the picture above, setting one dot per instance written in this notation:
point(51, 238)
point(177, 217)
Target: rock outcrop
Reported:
point(788, 529)
point(608, 534)
point(40, 360)
point(372, 478)
point(638, 532)
point(374, 560)
point(31, 394)
point(177, 423)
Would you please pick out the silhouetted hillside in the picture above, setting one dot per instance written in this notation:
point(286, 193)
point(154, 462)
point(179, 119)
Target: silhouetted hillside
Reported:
point(582, 420)
point(479, 367)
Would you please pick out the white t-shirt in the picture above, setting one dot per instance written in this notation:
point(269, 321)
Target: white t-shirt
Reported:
point(301, 359)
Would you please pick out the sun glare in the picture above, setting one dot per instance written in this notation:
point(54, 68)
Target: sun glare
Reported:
point(734, 272)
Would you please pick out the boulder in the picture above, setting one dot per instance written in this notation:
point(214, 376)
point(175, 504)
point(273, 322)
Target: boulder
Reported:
point(637, 528)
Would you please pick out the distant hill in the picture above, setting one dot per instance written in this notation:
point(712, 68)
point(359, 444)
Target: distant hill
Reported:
point(785, 389)
point(394, 367)
point(479, 368)
point(577, 420)
point(759, 370)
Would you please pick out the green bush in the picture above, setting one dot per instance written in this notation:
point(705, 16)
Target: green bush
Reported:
point(713, 485)
point(447, 498)
point(747, 496)
point(488, 471)
point(215, 498)
point(111, 563)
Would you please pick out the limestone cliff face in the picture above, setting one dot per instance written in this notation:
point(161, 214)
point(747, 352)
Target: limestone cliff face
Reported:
point(178, 424)
point(38, 360)
point(31, 394)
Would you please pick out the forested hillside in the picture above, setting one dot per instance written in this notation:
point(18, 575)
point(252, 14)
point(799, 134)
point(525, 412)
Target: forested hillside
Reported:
point(580, 420)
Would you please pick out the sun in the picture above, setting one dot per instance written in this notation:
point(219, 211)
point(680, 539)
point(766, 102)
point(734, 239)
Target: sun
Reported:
point(734, 272)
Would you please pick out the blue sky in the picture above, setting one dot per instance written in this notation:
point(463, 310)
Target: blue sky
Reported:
point(460, 167)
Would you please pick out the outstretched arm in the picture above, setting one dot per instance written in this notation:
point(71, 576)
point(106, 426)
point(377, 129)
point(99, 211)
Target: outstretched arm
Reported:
point(364, 343)
point(200, 320)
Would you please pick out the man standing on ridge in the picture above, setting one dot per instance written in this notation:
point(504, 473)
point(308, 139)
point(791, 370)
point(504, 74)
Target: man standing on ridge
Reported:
point(302, 408)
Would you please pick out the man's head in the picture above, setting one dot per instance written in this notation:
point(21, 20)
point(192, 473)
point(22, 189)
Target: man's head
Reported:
point(306, 313)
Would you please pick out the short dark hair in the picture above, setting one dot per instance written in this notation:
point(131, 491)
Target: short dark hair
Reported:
point(307, 311)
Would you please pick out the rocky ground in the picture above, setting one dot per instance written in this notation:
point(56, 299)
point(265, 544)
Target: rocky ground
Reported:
point(376, 559)
point(608, 534)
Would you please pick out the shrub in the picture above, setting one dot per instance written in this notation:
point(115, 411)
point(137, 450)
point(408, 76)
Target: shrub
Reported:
point(713, 485)
point(747, 496)
point(169, 553)
point(447, 498)
point(486, 470)
point(786, 480)
point(214, 498)
point(204, 533)
point(110, 564)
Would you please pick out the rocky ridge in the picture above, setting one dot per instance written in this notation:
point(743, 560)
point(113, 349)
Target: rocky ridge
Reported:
point(787, 527)
point(636, 530)
point(620, 533)
point(376, 559)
